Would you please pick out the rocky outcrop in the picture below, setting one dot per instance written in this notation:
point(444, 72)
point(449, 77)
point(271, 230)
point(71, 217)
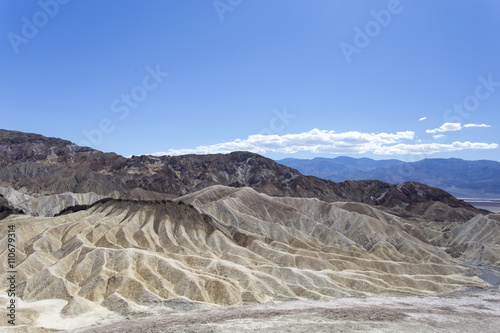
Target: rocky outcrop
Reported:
point(6, 209)
point(46, 205)
point(422, 202)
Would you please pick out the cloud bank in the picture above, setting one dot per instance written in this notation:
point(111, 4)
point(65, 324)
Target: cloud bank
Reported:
point(322, 141)
point(476, 125)
point(449, 127)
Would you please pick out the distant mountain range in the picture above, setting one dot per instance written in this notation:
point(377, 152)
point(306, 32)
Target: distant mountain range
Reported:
point(479, 179)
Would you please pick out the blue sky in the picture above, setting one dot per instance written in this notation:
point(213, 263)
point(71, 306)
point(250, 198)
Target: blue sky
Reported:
point(284, 78)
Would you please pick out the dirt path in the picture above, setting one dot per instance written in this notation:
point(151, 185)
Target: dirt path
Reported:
point(470, 312)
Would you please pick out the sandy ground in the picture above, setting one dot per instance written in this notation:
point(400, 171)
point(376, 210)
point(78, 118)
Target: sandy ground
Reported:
point(477, 311)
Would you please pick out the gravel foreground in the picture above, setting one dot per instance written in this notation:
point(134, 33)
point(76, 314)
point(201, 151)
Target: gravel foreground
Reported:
point(477, 311)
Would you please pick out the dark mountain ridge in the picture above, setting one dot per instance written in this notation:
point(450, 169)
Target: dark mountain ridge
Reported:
point(41, 165)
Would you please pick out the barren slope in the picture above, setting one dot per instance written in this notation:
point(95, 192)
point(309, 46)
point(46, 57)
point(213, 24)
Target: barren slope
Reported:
point(231, 246)
point(49, 205)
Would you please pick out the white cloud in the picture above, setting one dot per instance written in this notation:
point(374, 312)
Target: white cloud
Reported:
point(321, 141)
point(433, 148)
point(446, 127)
point(476, 125)
point(423, 118)
point(449, 127)
point(438, 136)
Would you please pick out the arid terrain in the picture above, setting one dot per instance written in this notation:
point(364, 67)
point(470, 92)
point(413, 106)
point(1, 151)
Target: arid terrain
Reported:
point(470, 312)
point(226, 250)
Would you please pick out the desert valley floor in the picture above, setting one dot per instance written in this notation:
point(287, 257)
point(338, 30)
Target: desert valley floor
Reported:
point(469, 312)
